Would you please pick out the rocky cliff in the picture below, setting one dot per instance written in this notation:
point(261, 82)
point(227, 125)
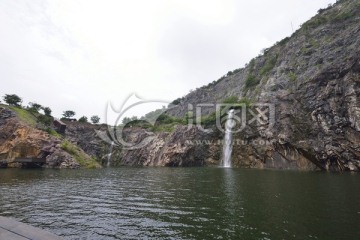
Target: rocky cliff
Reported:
point(19, 138)
point(297, 107)
point(310, 79)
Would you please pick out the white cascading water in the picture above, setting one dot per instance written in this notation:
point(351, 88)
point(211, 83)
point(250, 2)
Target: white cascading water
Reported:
point(109, 155)
point(227, 145)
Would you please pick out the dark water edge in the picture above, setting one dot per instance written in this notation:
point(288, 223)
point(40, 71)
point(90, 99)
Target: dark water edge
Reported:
point(184, 203)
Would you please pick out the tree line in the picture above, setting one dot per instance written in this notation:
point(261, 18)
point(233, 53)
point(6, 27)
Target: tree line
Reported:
point(16, 101)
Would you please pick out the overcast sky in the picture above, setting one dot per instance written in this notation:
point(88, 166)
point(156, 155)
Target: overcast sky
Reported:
point(80, 54)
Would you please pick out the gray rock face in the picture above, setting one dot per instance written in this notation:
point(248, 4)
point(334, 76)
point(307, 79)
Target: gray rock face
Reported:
point(85, 136)
point(313, 80)
point(184, 147)
point(61, 159)
point(5, 114)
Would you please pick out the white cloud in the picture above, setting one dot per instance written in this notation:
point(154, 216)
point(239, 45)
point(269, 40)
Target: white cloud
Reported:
point(80, 54)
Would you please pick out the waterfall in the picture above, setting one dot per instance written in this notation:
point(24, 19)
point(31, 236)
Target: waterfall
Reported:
point(109, 155)
point(227, 145)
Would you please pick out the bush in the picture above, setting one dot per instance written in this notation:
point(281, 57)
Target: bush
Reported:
point(177, 101)
point(231, 99)
point(269, 65)
point(46, 120)
point(251, 81)
point(315, 22)
point(209, 119)
point(83, 119)
point(284, 41)
point(343, 16)
point(166, 119)
point(245, 101)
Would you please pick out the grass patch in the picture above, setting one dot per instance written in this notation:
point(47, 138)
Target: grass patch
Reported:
point(82, 158)
point(54, 133)
point(292, 76)
point(24, 115)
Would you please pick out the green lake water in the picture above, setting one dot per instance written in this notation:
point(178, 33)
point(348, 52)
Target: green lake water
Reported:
point(184, 203)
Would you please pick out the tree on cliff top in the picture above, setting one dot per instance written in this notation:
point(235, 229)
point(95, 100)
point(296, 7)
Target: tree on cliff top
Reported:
point(34, 107)
point(68, 114)
point(12, 100)
point(47, 111)
point(95, 119)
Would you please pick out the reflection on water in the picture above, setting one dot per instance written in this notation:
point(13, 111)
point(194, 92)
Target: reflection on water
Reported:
point(183, 203)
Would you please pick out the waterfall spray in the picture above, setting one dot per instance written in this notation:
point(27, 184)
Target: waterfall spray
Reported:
point(227, 145)
point(109, 155)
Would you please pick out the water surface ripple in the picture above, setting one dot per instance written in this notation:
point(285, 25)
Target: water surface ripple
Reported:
point(183, 203)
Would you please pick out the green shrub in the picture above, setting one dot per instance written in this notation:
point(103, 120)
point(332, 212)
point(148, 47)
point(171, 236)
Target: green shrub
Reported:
point(34, 107)
point(252, 65)
point(315, 22)
point(292, 76)
point(269, 65)
point(166, 119)
point(177, 101)
point(209, 119)
point(231, 99)
point(251, 81)
point(284, 41)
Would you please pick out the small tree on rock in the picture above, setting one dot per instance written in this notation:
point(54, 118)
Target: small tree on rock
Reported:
point(13, 100)
point(34, 107)
point(95, 119)
point(68, 114)
point(47, 111)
